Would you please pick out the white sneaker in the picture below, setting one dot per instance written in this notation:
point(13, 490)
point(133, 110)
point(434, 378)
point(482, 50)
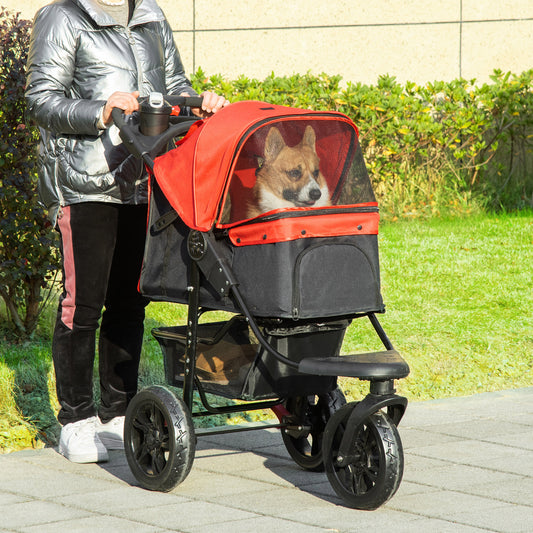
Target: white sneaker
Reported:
point(80, 443)
point(111, 433)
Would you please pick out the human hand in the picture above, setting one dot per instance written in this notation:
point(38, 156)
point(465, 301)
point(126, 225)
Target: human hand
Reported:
point(126, 101)
point(211, 103)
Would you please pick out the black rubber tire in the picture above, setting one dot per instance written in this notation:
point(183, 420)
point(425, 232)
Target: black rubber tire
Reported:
point(312, 411)
point(159, 439)
point(376, 470)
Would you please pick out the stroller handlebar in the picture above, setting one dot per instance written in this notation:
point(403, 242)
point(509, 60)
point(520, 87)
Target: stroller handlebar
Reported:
point(149, 136)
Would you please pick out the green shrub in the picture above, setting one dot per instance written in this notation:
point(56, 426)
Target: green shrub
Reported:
point(444, 146)
point(28, 256)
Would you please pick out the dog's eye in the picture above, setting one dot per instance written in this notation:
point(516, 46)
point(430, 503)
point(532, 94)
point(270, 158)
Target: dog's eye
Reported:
point(316, 173)
point(294, 174)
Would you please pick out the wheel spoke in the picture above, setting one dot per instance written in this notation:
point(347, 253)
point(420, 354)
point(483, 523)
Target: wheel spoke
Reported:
point(361, 485)
point(141, 423)
point(364, 437)
point(159, 421)
point(303, 447)
point(153, 414)
point(158, 461)
point(371, 476)
point(142, 453)
point(316, 443)
point(352, 481)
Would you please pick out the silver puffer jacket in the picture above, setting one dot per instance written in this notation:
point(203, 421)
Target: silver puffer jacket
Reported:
point(78, 57)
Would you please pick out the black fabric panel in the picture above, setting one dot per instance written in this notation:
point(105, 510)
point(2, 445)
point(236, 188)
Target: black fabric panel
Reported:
point(270, 378)
point(305, 278)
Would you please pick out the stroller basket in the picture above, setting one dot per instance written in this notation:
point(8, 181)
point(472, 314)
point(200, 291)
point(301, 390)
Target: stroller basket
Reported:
point(230, 362)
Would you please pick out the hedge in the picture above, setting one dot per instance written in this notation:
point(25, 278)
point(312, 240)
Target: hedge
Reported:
point(429, 148)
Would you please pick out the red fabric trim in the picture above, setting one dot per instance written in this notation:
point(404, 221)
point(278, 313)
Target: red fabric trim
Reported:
point(290, 229)
point(68, 305)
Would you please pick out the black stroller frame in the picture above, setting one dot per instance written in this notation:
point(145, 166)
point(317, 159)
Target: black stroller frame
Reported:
point(356, 443)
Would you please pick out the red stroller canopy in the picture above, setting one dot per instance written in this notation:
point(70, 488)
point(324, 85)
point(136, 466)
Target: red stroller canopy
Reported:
point(220, 157)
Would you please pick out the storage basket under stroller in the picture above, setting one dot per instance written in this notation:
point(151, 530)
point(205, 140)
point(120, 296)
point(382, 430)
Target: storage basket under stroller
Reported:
point(230, 361)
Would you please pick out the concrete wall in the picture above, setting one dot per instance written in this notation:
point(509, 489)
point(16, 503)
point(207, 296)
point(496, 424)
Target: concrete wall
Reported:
point(417, 40)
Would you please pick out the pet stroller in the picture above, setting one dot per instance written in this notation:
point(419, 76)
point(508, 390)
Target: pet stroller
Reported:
point(291, 279)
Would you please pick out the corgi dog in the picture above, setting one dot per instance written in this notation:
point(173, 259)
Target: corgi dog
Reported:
point(288, 176)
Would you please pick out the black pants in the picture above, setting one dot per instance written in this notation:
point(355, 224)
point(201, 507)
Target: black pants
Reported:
point(102, 246)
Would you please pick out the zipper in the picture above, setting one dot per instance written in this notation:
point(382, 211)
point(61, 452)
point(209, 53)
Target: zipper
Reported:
point(296, 280)
point(133, 46)
point(310, 212)
point(296, 274)
point(261, 123)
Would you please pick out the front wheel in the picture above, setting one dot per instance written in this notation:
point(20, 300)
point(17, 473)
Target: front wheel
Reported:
point(159, 439)
point(375, 467)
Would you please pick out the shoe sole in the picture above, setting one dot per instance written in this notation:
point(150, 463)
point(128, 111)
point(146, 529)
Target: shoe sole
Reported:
point(100, 457)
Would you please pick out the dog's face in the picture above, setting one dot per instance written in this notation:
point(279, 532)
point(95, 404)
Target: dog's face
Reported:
point(289, 176)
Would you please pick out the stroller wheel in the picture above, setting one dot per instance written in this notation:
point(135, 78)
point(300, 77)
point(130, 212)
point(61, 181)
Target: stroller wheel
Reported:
point(159, 439)
point(313, 412)
point(375, 468)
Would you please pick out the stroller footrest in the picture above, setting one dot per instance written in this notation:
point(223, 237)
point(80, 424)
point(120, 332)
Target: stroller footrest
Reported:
point(373, 366)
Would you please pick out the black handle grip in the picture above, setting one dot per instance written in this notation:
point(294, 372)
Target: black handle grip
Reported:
point(187, 101)
point(117, 115)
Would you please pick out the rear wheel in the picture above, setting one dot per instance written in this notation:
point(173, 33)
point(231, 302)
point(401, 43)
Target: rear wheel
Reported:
point(374, 469)
point(159, 439)
point(311, 412)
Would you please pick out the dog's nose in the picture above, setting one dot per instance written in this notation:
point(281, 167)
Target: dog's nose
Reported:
point(315, 194)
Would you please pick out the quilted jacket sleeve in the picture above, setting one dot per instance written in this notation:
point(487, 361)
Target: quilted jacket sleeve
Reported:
point(50, 70)
point(176, 81)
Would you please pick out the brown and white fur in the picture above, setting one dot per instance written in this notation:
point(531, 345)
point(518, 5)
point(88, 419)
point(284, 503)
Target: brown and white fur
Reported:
point(289, 176)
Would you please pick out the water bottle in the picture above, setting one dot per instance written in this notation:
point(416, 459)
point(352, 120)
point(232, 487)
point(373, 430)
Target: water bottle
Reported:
point(155, 113)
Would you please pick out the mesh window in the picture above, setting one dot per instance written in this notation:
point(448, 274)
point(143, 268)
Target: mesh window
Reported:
point(304, 164)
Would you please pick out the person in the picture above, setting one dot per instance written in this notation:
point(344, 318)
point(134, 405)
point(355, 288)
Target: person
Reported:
point(85, 58)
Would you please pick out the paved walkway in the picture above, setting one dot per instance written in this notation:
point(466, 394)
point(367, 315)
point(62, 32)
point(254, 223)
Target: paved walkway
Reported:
point(469, 468)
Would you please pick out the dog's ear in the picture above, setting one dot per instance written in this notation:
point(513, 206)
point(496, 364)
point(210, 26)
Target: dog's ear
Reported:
point(274, 144)
point(309, 137)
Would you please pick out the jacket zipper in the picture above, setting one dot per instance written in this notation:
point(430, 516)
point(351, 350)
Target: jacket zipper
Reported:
point(140, 78)
point(140, 73)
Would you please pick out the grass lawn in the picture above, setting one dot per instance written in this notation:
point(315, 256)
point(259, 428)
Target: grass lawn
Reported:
point(459, 297)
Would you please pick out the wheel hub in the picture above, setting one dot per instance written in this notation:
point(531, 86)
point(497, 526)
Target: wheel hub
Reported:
point(152, 439)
